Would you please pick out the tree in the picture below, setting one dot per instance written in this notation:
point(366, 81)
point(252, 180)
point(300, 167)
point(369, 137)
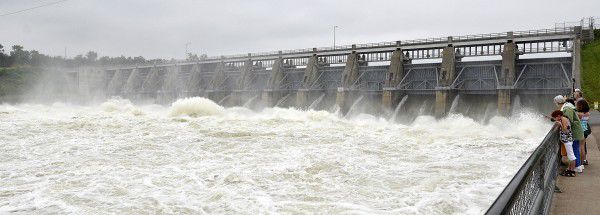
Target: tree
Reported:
point(105, 61)
point(79, 60)
point(139, 60)
point(91, 56)
point(19, 56)
point(3, 57)
point(37, 59)
point(192, 57)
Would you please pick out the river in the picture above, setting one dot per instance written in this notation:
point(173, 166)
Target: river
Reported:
point(197, 157)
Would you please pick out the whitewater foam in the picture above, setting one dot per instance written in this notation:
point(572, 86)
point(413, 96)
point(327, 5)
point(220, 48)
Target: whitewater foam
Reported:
point(74, 159)
point(195, 107)
point(119, 105)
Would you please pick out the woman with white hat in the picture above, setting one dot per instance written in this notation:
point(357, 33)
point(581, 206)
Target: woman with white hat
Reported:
point(568, 110)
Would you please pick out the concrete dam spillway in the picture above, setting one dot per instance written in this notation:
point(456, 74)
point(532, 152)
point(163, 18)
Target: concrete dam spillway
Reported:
point(407, 127)
point(379, 75)
point(253, 88)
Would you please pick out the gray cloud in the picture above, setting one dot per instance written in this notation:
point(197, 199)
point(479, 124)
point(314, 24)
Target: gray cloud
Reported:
point(160, 29)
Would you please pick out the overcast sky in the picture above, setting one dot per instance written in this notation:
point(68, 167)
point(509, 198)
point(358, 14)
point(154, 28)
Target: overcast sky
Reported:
point(161, 28)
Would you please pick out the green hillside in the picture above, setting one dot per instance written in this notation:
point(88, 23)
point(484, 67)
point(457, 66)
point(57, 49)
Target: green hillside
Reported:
point(590, 73)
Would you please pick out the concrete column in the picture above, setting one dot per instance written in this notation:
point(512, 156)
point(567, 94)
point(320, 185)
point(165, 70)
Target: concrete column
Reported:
point(115, 86)
point(243, 84)
point(134, 82)
point(507, 77)
point(83, 82)
point(273, 92)
point(576, 54)
point(91, 84)
point(311, 73)
point(269, 97)
point(396, 70)
point(395, 74)
point(448, 70)
point(193, 83)
point(214, 91)
point(446, 76)
point(341, 99)
point(350, 74)
point(171, 85)
point(349, 77)
point(504, 102)
point(302, 98)
point(151, 84)
point(389, 98)
point(277, 74)
point(442, 98)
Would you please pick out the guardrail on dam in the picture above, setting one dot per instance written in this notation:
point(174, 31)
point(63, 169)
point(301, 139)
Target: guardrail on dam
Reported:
point(381, 71)
point(531, 189)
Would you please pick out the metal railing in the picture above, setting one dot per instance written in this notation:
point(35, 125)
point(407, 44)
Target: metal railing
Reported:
point(530, 190)
point(528, 33)
point(589, 22)
point(565, 30)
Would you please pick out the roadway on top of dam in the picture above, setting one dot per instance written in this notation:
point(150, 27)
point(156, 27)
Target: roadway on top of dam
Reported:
point(431, 44)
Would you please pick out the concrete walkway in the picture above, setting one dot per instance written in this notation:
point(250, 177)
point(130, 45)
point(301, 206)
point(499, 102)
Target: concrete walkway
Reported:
point(581, 194)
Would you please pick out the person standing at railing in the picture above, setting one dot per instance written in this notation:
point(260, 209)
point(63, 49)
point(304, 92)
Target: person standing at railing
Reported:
point(583, 111)
point(566, 138)
point(568, 111)
point(578, 95)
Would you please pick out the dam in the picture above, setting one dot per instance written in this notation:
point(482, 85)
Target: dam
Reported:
point(446, 125)
point(438, 70)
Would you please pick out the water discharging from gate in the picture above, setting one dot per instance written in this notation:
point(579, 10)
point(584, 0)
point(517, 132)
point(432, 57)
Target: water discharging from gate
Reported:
point(221, 102)
point(195, 156)
point(250, 101)
point(352, 111)
point(283, 100)
point(398, 108)
point(316, 103)
point(454, 105)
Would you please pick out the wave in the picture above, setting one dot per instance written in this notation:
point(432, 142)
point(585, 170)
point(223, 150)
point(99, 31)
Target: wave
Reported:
point(195, 107)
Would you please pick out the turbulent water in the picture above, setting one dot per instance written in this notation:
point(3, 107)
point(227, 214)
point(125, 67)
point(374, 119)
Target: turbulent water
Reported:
point(198, 157)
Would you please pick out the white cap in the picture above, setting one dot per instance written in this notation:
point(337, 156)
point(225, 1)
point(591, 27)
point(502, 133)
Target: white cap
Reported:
point(559, 99)
point(577, 90)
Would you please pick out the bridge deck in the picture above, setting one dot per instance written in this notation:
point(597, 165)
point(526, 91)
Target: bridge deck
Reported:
point(580, 195)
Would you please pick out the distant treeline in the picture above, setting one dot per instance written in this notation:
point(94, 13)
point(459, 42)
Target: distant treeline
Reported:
point(18, 57)
point(15, 81)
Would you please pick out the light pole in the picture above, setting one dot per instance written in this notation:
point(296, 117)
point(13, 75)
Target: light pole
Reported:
point(334, 28)
point(186, 47)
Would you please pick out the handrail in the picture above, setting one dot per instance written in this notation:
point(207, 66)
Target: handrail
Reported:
point(563, 30)
point(566, 30)
point(530, 190)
